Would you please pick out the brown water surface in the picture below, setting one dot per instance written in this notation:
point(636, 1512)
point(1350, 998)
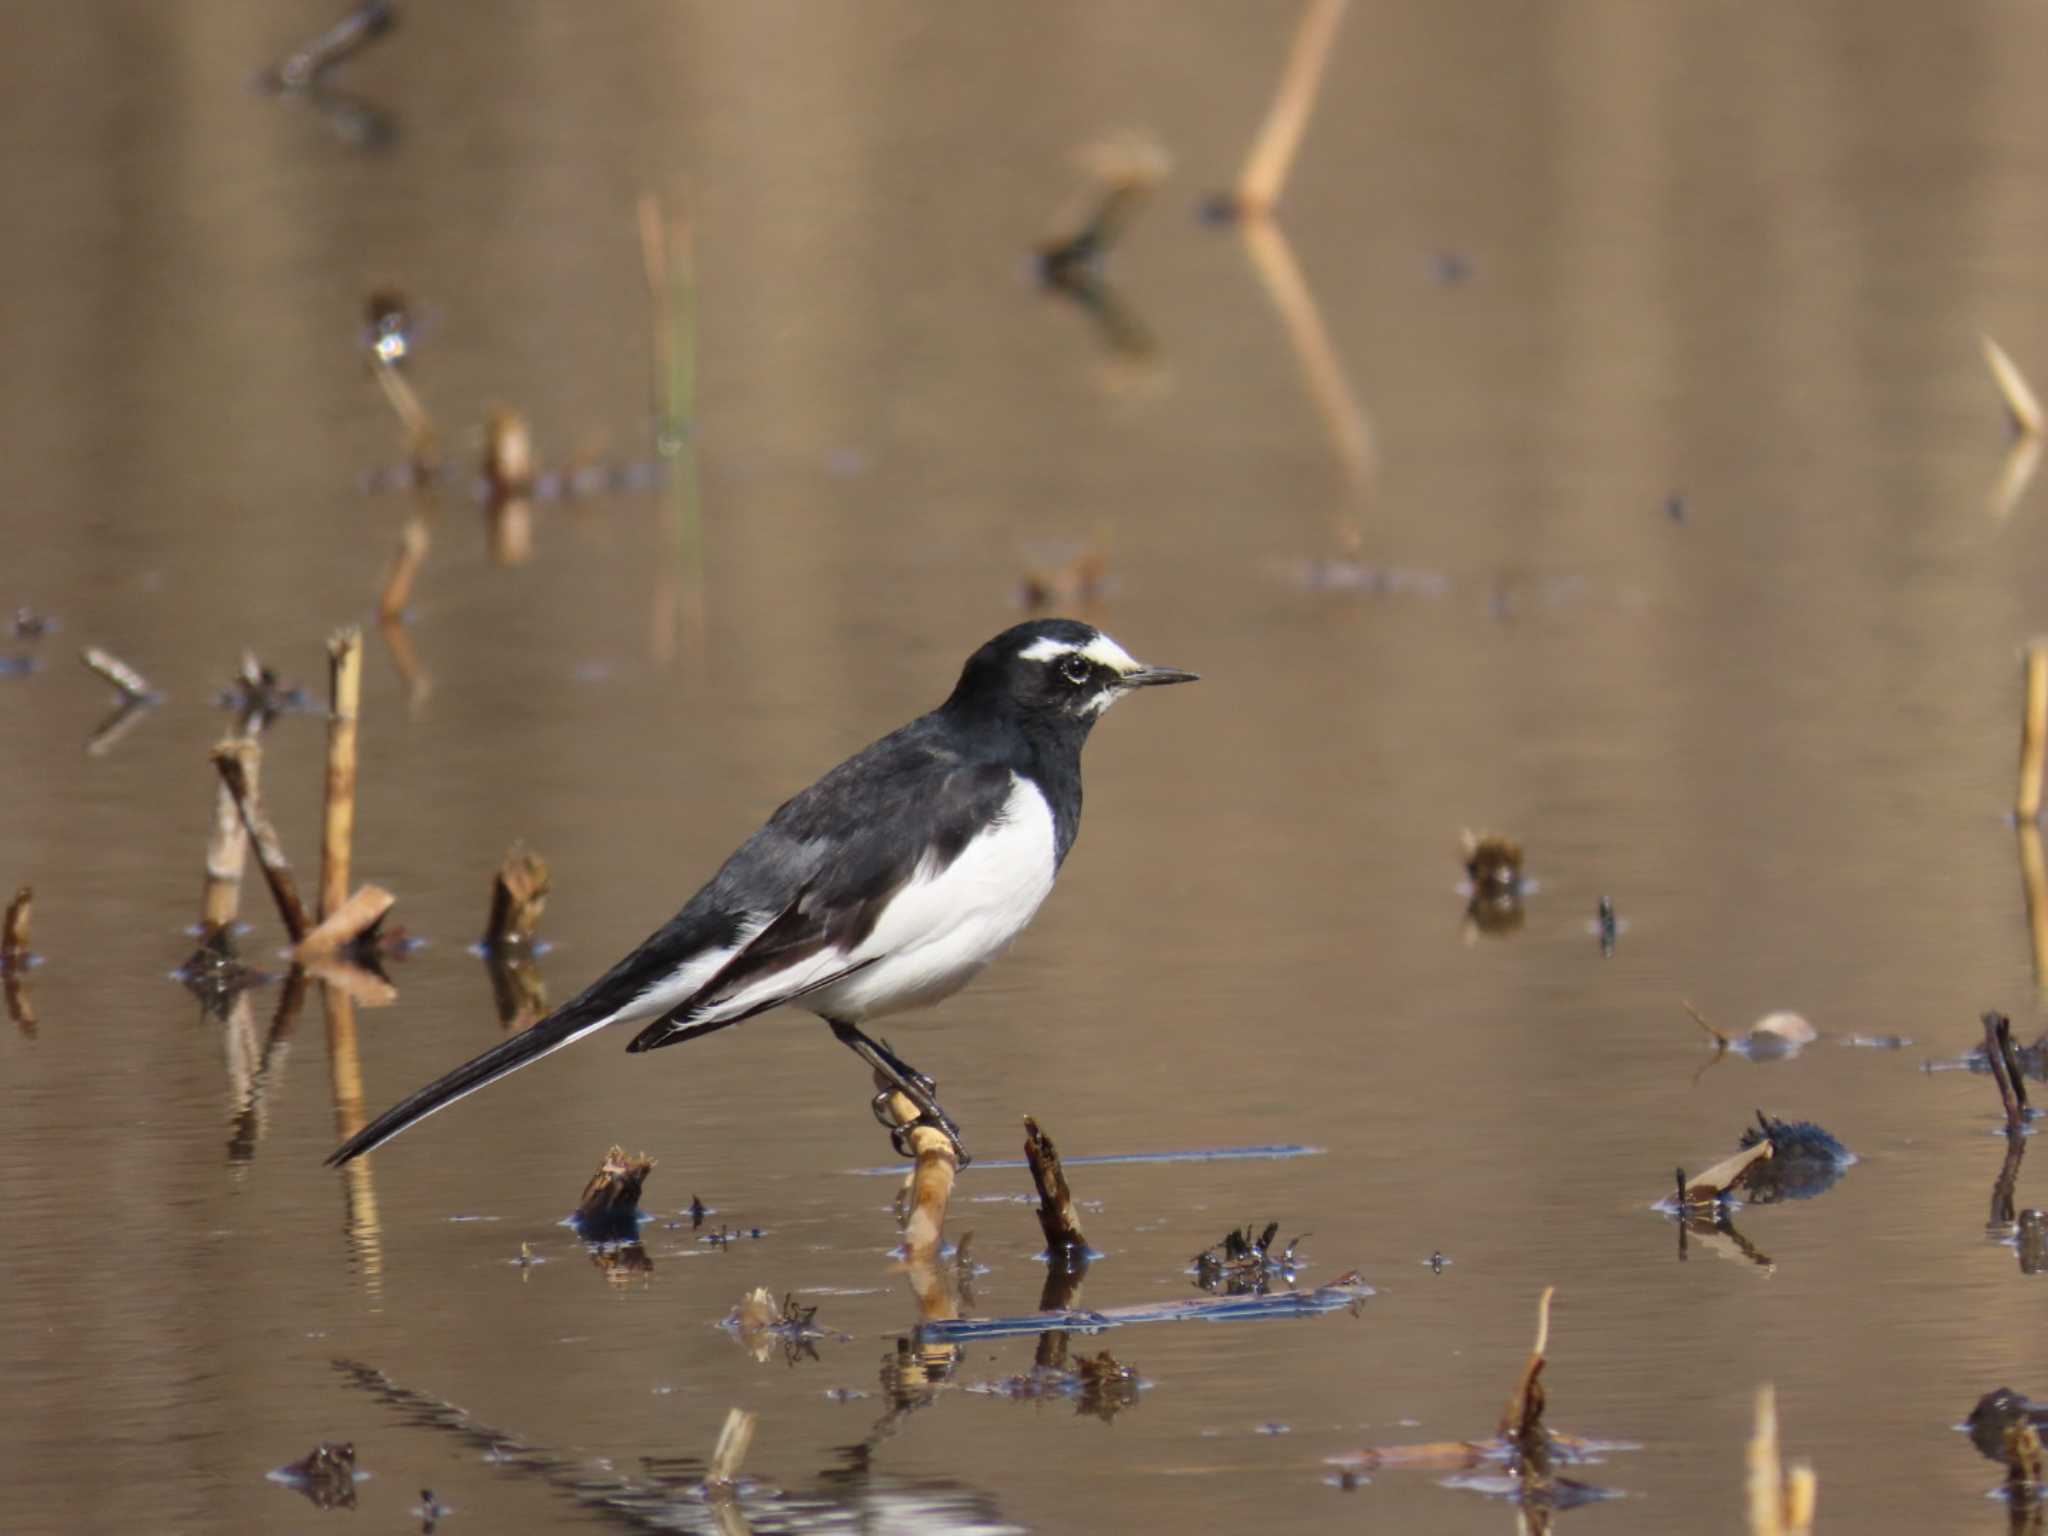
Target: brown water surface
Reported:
point(1737, 252)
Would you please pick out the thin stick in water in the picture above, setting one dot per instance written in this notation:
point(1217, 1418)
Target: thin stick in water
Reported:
point(236, 761)
point(337, 837)
point(130, 684)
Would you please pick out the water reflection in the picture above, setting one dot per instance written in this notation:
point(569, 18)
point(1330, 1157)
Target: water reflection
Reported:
point(668, 1493)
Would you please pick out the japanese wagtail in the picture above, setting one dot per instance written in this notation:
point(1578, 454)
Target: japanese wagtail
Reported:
point(886, 885)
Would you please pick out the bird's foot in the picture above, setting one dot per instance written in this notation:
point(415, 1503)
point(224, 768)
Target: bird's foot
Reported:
point(929, 1115)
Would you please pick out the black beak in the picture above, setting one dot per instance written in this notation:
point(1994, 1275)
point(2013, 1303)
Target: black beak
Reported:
point(1152, 677)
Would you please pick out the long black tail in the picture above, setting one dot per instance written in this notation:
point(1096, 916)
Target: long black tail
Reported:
point(508, 1056)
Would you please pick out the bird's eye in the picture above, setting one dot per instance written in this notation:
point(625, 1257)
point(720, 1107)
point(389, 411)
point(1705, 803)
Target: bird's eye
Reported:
point(1075, 669)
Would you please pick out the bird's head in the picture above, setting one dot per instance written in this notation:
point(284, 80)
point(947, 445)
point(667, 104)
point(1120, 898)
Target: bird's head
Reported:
point(1058, 669)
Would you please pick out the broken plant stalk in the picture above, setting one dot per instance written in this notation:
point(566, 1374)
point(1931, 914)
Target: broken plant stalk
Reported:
point(1065, 1245)
point(337, 838)
point(238, 761)
point(519, 894)
point(2006, 1070)
point(609, 1210)
point(130, 684)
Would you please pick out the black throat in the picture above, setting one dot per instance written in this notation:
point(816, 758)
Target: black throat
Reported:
point(1042, 746)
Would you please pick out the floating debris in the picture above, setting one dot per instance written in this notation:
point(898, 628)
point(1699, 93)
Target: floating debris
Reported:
point(1494, 883)
point(609, 1211)
point(326, 1475)
point(258, 695)
point(761, 1323)
point(1243, 1265)
point(1878, 1042)
point(1774, 1037)
point(1606, 926)
point(1522, 1453)
point(429, 1511)
point(1805, 1161)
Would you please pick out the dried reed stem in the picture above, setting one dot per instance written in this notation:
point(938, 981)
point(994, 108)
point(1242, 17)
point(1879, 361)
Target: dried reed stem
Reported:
point(129, 683)
point(1272, 152)
point(345, 924)
point(2033, 732)
point(1523, 1414)
point(238, 762)
point(337, 836)
point(2021, 406)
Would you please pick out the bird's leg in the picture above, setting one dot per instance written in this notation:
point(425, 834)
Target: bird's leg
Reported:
point(906, 1080)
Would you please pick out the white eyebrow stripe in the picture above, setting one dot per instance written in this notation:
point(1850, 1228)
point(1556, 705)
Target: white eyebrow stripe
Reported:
point(1101, 650)
point(1110, 654)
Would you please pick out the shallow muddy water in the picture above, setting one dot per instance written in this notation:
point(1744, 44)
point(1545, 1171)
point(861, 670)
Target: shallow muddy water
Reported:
point(1577, 260)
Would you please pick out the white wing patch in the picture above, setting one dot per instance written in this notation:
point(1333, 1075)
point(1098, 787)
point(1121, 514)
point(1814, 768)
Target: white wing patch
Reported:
point(1101, 650)
point(936, 933)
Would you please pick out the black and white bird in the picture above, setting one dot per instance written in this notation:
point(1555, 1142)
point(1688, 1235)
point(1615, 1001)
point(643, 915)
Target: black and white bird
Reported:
point(886, 885)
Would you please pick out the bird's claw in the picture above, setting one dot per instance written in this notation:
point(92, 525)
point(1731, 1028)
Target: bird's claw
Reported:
point(929, 1116)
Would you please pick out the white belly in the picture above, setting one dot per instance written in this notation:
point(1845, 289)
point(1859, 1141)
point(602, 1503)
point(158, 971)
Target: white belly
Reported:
point(942, 928)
